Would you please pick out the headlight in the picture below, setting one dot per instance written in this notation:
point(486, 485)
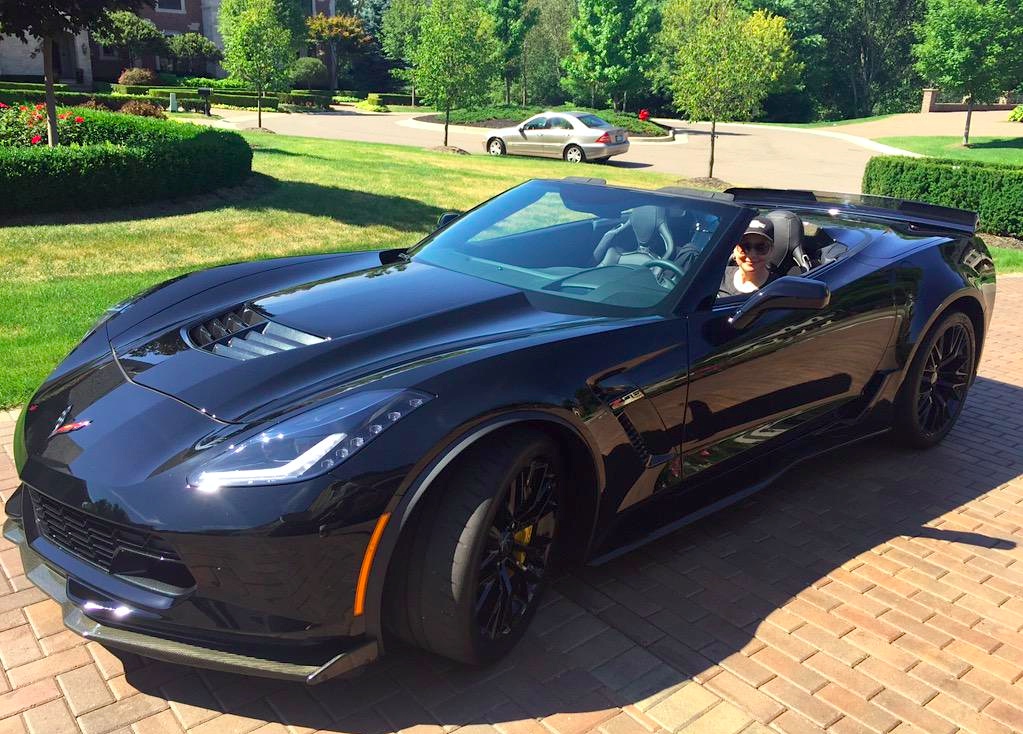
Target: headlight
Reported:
point(309, 444)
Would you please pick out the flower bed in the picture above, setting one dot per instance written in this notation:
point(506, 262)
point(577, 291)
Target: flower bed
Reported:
point(111, 159)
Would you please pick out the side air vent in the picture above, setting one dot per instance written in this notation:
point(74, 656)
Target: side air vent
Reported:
point(246, 334)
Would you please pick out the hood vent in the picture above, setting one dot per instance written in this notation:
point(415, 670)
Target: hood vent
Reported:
point(245, 333)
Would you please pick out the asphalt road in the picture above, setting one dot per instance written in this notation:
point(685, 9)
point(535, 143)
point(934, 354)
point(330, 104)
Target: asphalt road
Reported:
point(748, 155)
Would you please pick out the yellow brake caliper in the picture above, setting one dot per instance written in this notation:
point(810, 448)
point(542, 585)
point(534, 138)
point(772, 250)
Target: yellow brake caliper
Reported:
point(524, 536)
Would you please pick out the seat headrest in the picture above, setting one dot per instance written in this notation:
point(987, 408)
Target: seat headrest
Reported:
point(644, 221)
point(788, 234)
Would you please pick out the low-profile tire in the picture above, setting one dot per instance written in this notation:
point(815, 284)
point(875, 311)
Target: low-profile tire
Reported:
point(472, 569)
point(495, 146)
point(574, 154)
point(934, 390)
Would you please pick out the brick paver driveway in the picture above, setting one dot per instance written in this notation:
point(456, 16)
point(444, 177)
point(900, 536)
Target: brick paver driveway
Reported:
point(870, 590)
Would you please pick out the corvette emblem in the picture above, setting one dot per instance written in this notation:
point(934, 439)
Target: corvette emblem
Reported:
point(60, 427)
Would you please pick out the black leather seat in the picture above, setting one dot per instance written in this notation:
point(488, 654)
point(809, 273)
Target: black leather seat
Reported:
point(787, 254)
point(646, 224)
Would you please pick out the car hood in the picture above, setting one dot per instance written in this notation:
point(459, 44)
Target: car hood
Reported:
point(366, 325)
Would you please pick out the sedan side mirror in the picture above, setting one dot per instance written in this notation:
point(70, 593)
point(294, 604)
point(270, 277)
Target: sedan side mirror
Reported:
point(788, 292)
point(447, 218)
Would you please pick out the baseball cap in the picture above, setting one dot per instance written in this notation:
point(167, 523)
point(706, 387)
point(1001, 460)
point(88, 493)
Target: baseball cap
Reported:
point(761, 226)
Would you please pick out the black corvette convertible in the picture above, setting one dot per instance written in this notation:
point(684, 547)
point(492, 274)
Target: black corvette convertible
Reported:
point(277, 467)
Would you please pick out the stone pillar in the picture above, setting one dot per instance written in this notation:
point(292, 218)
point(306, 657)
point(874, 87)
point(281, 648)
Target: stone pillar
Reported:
point(930, 99)
point(83, 56)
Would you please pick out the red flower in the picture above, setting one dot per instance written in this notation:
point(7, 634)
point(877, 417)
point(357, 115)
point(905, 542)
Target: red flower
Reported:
point(79, 120)
point(37, 139)
point(64, 116)
point(644, 114)
point(3, 106)
point(23, 108)
point(40, 106)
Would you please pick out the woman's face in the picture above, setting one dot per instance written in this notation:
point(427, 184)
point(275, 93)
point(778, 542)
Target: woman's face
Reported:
point(751, 253)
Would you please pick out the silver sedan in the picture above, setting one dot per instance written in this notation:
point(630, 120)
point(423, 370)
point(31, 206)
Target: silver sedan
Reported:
point(574, 136)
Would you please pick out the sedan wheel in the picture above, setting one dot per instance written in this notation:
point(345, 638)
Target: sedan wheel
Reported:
point(935, 387)
point(496, 147)
point(574, 154)
point(473, 566)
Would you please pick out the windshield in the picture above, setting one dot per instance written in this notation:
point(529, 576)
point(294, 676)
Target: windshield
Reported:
point(607, 246)
point(593, 121)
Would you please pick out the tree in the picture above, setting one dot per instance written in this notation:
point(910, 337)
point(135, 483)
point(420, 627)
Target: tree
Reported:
point(51, 20)
point(399, 35)
point(512, 21)
point(258, 49)
point(726, 63)
point(545, 48)
point(611, 47)
point(973, 48)
point(132, 35)
point(189, 50)
point(341, 37)
point(857, 54)
point(457, 56)
point(371, 13)
point(290, 15)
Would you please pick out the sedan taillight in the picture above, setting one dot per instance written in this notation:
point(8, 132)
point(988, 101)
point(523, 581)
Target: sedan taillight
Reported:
point(605, 139)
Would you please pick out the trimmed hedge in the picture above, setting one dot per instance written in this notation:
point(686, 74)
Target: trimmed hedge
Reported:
point(386, 99)
point(32, 86)
point(307, 99)
point(69, 99)
point(226, 100)
point(126, 160)
point(993, 190)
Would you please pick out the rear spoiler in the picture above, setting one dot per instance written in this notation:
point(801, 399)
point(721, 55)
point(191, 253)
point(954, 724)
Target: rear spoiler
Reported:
point(914, 212)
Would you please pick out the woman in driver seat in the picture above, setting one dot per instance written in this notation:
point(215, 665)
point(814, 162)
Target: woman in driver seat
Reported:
point(751, 256)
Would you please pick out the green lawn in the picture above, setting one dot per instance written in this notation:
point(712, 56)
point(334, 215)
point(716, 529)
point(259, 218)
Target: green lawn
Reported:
point(310, 196)
point(990, 150)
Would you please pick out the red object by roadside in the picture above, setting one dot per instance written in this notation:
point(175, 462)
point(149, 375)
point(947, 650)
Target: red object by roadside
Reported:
point(644, 114)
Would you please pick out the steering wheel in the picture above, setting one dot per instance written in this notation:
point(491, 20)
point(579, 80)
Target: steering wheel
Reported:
point(659, 266)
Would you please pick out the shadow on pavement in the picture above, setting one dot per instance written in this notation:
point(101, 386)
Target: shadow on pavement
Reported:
point(626, 164)
point(669, 612)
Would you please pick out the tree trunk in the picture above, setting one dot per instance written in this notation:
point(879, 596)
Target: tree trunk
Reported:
point(713, 137)
point(51, 98)
point(412, 86)
point(525, 94)
point(625, 99)
point(593, 95)
point(332, 65)
point(969, 114)
point(259, 111)
point(507, 87)
point(447, 116)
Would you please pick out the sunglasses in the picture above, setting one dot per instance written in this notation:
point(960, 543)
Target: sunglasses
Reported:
point(760, 247)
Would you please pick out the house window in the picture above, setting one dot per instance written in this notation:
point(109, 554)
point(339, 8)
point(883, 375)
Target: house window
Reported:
point(170, 6)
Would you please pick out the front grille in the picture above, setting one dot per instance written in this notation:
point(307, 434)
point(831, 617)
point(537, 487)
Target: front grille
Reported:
point(244, 333)
point(92, 538)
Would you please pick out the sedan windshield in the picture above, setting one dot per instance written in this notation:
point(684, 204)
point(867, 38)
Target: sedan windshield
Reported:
point(611, 247)
point(593, 121)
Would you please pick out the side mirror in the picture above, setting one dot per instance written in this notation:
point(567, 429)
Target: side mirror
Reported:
point(788, 292)
point(447, 218)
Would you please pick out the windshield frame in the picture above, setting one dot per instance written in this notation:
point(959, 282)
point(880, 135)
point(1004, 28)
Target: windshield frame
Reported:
point(731, 218)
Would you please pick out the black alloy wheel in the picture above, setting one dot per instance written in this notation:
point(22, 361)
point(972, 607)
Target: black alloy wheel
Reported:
point(472, 567)
point(935, 387)
point(517, 550)
point(945, 379)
